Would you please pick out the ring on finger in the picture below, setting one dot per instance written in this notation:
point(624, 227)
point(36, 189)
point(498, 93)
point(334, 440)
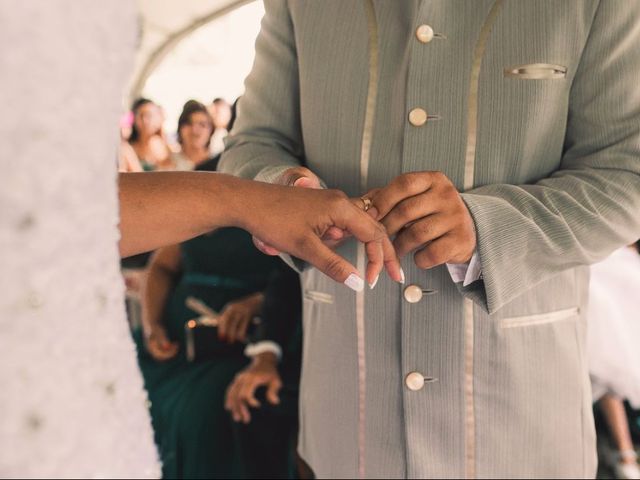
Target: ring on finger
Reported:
point(366, 203)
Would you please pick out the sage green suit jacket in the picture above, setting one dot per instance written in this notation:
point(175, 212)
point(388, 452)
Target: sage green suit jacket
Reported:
point(534, 113)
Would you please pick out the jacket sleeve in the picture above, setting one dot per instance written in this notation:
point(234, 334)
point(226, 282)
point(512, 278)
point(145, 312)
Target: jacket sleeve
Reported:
point(591, 205)
point(266, 138)
point(282, 309)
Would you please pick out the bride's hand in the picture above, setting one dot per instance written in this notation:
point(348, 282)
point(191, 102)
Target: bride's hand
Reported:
point(165, 208)
point(304, 178)
point(295, 221)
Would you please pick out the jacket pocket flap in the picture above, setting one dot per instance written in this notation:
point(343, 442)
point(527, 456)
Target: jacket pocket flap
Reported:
point(536, 71)
point(316, 296)
point(540, 318)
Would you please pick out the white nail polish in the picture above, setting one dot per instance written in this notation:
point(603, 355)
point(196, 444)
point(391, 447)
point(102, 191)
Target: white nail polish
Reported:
point(354, 282)
point(402, 277)
point(374, 283)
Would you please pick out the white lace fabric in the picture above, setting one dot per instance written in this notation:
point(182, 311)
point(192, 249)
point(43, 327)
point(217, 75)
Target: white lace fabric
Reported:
point(72, 402)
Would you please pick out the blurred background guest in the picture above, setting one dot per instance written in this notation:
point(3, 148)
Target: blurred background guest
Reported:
point(212, 163)
point(224, 271)
point(263, 398)
point(127, 163)
point(220, 111)
point(614, 357)
point(146, 147)
point(195, 127)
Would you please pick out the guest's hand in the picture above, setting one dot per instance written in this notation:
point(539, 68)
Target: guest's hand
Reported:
point(158, 344)
point(236, 317)
point(295, 221)
point(241, 393)
point(304, 178)
point(427, 214)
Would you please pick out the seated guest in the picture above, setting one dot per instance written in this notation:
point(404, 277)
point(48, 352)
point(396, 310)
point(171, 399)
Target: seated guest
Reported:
point(142, 148)
point(146, 146)
point(195, 128)
point(211, 165)
point(127, 162)
point(225, 272)
point(220, 111)
point(194, 134)
point(263, 398)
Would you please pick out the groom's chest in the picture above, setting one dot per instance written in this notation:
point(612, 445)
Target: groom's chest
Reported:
point(446, 61)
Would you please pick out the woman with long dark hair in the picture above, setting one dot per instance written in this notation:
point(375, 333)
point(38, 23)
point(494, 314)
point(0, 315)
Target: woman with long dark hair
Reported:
point(146, 146)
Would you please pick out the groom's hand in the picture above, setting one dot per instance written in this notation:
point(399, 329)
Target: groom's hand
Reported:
point(427, 214)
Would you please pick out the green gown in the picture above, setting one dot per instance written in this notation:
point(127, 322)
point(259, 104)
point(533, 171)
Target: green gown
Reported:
point(193, 431)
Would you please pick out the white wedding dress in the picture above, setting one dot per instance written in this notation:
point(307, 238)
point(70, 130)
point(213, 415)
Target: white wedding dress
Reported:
point(614, 326)
point(72, 402)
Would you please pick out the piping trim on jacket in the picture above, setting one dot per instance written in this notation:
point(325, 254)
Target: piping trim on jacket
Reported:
point(469, 173)
point(365, 155)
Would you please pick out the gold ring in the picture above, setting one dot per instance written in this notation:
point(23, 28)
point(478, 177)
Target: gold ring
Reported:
point(366, 202)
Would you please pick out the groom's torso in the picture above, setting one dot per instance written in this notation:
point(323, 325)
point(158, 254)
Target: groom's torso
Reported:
point(510, 396)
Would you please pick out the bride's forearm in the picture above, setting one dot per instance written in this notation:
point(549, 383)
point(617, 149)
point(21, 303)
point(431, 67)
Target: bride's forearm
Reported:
point(165, 208)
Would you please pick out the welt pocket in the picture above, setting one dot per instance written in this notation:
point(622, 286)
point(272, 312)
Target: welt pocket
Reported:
point(316, 296)
point(540, 318)
point(536, 71)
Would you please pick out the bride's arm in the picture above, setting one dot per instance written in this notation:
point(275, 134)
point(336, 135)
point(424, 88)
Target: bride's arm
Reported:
point(164, 208)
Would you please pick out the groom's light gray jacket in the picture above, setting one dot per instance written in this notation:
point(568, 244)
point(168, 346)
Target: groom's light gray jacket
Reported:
point(534, 112)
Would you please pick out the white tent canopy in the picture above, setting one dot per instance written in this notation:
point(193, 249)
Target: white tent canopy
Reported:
point(165, 24)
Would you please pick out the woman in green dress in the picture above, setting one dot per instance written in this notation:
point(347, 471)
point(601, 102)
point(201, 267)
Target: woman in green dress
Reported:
point(224, 270)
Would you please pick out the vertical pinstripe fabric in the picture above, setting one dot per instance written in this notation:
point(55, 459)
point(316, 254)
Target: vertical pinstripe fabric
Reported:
point(472, 99)
point(548, 191)
point(372, 94)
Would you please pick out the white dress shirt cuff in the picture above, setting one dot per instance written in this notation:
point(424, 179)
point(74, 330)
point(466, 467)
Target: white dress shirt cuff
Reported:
point(254, 349)
point(467, 273)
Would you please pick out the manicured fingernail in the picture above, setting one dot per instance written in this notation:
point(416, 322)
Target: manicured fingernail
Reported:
point(402, 277)
point(354, 282)
point(301, 182)
point(375, 281)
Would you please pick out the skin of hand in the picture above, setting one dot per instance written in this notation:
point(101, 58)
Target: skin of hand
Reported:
point(426, 213)
point(304, 178)
point(156, 284)
point(177, 206)
point(236, 317)
point(158, 344)
point(240, 395)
